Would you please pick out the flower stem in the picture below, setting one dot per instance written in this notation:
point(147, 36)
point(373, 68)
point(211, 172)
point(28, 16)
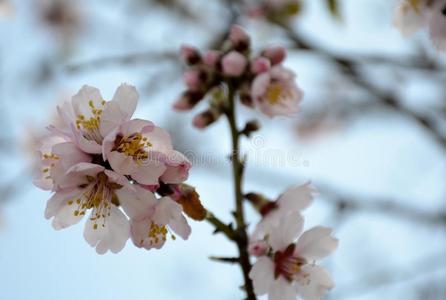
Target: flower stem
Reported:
point(237, 169)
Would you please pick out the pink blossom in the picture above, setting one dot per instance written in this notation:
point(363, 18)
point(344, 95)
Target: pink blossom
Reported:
point(89, 187)
point(275, 92)
point(291, 270)
point(139, 149)
point(91, 118)
point(151, 221)
point(190, 54)
point(234, 64)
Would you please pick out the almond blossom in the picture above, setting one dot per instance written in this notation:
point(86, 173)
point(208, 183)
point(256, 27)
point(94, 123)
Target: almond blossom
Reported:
point(275, 92)
point(91, 118)
point(90, 188)
point(295, 199)
point(143, 151)
point(152, 219)
point(412, 15)
point(289, 269)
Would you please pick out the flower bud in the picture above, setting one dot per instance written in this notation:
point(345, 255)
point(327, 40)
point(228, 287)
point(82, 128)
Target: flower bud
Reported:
point(275, 54)
point(250, 127)
point(188, 100)
point(190, 55)
point(260, 64)
point(206, 118)
point(239, 38)
point(211, 58)
point(234, 64)
point(258, 248)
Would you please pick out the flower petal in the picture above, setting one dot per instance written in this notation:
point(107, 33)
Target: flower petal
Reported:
point(316, 243)
point(296, 198)
point(262, 275)
point(281, 289)
point(136, 203)
point(109, 234)
point(286, 232)
point(313, 282)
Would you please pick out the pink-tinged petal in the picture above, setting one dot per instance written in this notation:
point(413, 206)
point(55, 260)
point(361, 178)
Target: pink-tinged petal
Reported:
point(286, 232)
point(234, 64)
point(69, 154)
point(43, 183)
point(149, 172)
point(109, 234)
point(177, 168)
point(119, 109)
point(408, 19)
point(159, 139)
point(168, 212)
point(313, 282)
point(136, 125)
point(281, 289)
point(63, 211)
point(81, 101)
point(259, 85)
point(192, 79)
point(77, 175)
point(66, 113)
point(86, 145)
point(59, 199)
point(139, 234)
point(296, 198)
point(136, 203)
point(121, 163)
point(316, 243)
point(262, 275)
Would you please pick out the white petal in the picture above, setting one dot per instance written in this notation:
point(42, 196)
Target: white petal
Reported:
point(120, 109)
point(177, 168)
point(64, 215)
point(286, 233)
point(168, 212)
point(160, 140)
point(121, 163)
point(316, 243)
point(136, 203)
point(57, 200)
point(111, 234)
point(149, 172)
point(296, 198)
point(262, 275)
point(313, 282)
point(281, 289)
point(81, 100)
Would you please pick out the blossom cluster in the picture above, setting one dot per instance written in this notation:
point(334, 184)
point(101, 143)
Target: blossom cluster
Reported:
point(412, 15)
point(104, 164)
point(261, 80)
point(286, 258)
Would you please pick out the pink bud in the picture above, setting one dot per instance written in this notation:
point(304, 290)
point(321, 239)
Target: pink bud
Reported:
point(234, 64)
point(258, 248)
point(190, 54)
point(192, 79)
point(275, 54)
point(239, 38)
point(206, 118)
point(188, 100)
point(212, 57)
point(260, 65)
point(200, 121)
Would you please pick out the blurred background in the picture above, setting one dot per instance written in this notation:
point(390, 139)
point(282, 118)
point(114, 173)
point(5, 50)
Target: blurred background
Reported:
point(371, 136)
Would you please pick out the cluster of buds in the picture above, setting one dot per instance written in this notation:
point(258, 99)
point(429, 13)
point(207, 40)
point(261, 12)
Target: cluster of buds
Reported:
point(102, 163)
point(260, 81)
point(286, 257)
point(412, 15)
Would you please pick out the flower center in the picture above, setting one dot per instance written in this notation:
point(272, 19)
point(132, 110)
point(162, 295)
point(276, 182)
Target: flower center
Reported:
point(274, 92)
point(158, 233)
point(287, 264)
point(90, 126)
point(98, 196)
point(134, 145)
